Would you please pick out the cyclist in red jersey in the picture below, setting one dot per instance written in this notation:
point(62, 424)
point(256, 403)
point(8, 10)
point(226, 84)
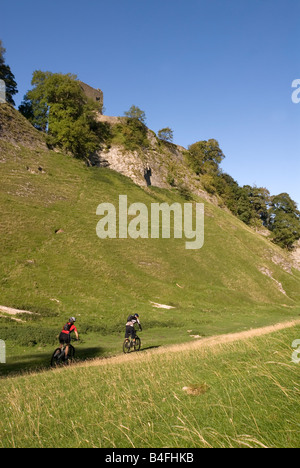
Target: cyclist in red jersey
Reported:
point(65, 335)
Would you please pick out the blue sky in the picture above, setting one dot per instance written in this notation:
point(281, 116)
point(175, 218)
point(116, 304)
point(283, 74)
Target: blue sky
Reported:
point(218, 69)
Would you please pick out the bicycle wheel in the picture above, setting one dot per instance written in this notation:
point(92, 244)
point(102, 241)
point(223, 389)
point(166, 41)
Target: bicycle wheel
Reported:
point(71, 353)
point(55, 360)
point(126, 346)
point(138, 343)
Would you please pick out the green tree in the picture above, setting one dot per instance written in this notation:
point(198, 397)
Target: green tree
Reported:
point(26, 109)
point(243, 207)
point(35, 106)
point(166, 134)
point(258, 204)
point(136, 113)
point(204, 157)
point(58, 106)
point(228, 189)
point(7, 76)
point(284, 220)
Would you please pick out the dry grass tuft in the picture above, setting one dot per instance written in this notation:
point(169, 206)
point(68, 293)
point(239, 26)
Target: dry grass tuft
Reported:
point(198, 389)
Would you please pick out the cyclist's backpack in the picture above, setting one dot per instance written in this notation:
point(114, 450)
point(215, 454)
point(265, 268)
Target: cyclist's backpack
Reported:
point(131, 318)
point(67, 327)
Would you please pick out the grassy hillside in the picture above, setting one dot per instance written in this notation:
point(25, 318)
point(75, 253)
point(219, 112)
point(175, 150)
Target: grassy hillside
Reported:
point(239, 394)
point(15, 129)
point(53, 264)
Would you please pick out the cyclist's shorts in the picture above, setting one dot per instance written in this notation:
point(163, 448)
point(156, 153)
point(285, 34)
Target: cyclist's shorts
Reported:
point(64, 338)
point(130, 331)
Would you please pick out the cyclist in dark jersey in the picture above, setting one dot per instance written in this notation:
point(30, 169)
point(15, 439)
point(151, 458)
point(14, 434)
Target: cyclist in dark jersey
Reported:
point(65, 335)
point(130, 330)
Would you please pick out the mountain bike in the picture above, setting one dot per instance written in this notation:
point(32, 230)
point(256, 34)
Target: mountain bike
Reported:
point(59, 356)
point(129, 345)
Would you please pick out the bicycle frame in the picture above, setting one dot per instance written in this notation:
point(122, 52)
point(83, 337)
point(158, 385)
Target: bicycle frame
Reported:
point(61, 358)
point(129, 343)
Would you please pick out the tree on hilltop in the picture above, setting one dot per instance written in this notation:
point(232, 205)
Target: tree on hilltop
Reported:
point(284, 220)
point(166, 134)
point(136, 113)
point(204, 157)
point(58, 106)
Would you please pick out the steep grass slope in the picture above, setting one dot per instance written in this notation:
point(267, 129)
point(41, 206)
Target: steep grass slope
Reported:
point(15, 129)
point(53, 264)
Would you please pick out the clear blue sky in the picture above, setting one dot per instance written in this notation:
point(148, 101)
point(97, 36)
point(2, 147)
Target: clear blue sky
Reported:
point(218, 69)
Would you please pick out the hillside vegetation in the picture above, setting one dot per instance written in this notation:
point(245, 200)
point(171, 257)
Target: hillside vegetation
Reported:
point(53, 264)
point(72, 122)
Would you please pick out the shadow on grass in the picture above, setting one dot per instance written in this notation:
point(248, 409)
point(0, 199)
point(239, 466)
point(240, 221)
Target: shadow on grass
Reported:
point(148, 347)
point(41, 361)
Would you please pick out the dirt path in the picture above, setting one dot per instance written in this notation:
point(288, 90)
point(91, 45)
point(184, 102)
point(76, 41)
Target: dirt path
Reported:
point(232, 337)
point(201, 343)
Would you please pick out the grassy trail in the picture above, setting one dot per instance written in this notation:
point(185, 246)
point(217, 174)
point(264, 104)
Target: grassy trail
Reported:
point(211, 341)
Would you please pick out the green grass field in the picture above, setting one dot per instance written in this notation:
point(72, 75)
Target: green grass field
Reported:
point(214, 290)
point(242, 394)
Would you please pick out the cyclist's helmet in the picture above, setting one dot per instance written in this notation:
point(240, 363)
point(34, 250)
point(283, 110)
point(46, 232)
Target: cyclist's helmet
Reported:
point(72, 319)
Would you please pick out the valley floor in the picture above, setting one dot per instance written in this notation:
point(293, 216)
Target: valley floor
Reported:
point(234, 390)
